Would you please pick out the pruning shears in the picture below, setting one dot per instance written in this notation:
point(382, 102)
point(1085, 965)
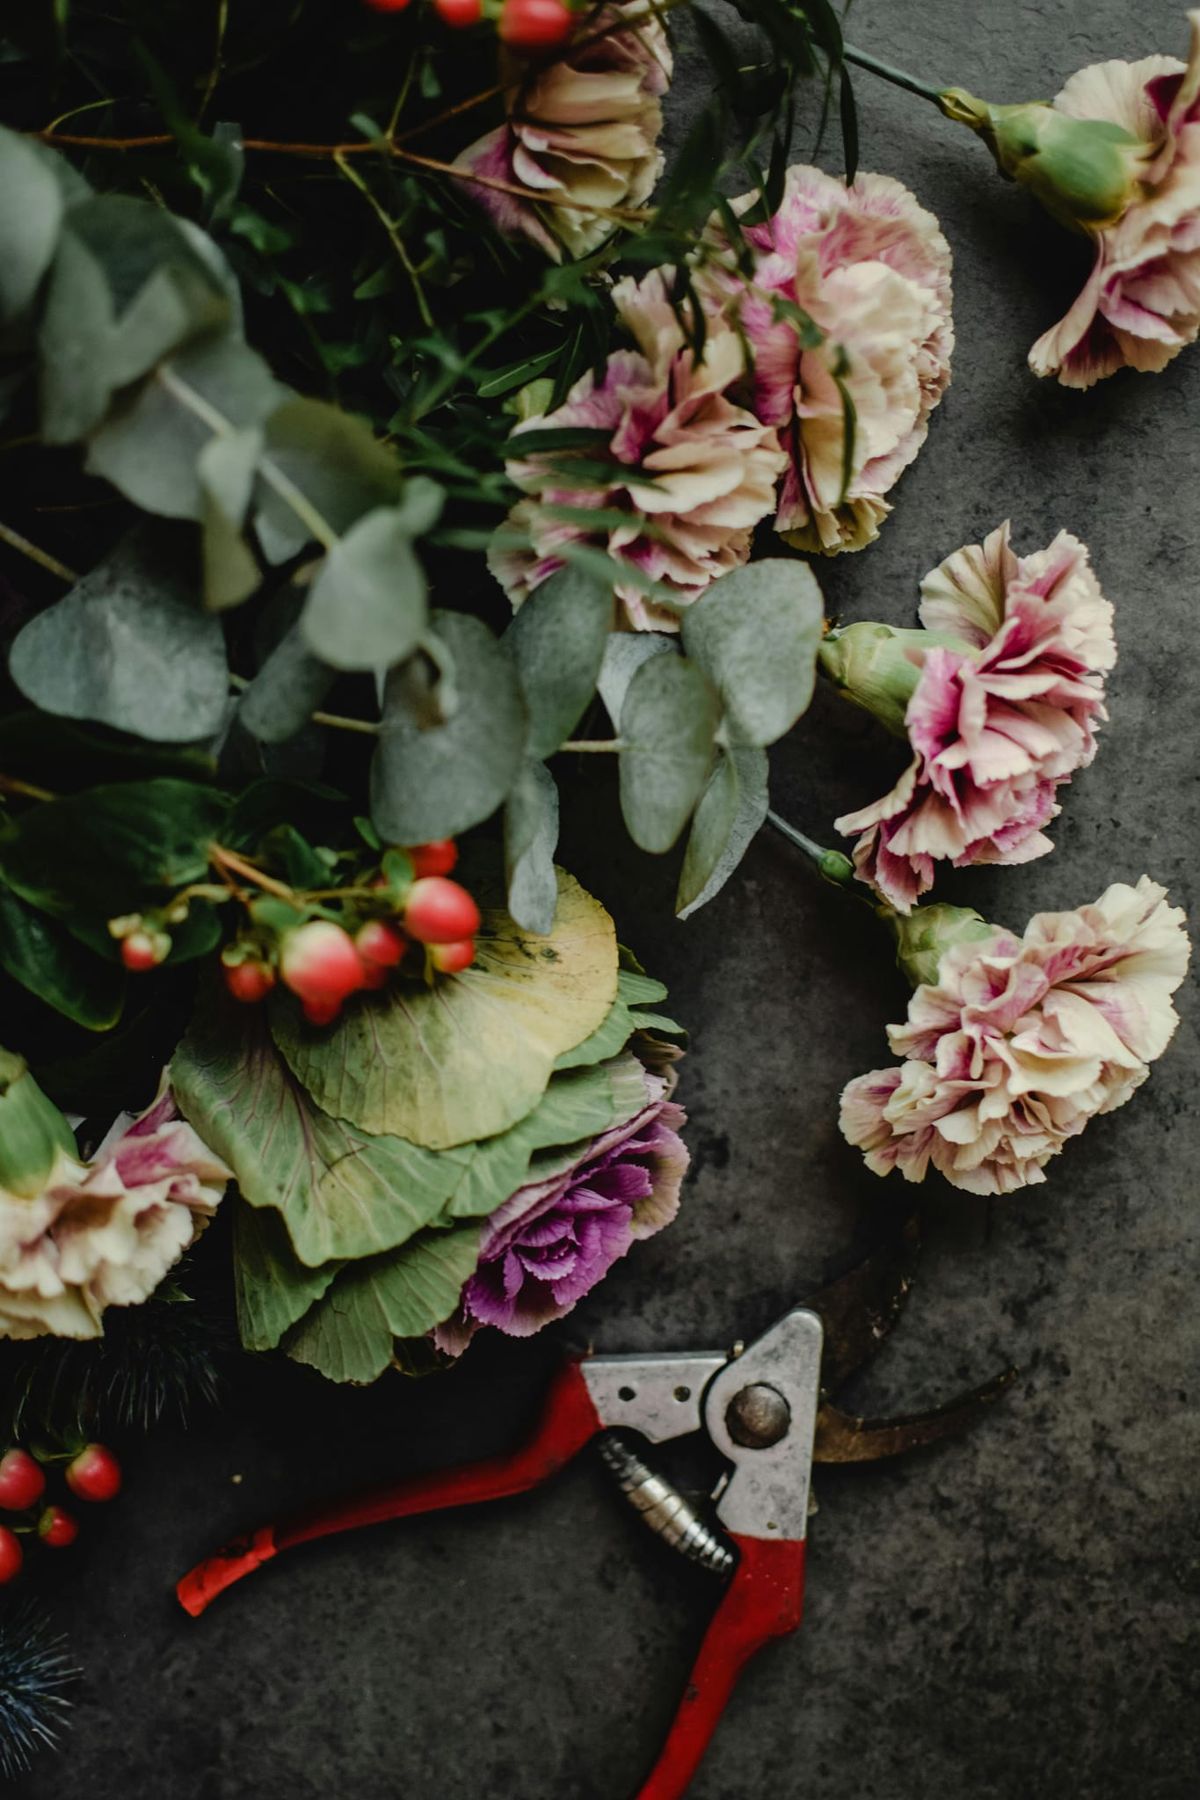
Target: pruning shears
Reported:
point(766, 1409)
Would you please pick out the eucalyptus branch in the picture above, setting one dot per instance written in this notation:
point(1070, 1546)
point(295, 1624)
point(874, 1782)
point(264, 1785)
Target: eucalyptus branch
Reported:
point(593, 744)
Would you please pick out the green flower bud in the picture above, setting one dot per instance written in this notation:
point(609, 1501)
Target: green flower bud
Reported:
point(33, 1133)
point(927, 932)
point(877, 667)
point(1084, 172)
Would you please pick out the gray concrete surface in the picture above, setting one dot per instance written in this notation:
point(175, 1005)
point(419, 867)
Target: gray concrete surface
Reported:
point(1016, 1615)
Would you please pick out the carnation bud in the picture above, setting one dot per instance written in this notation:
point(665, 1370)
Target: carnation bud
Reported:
point(927, 932)
point(877, 667)
point(1084, 172)
point(33, 1133)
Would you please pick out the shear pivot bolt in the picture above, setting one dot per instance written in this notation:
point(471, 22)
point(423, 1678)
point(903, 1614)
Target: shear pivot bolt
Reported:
point(758, 1416)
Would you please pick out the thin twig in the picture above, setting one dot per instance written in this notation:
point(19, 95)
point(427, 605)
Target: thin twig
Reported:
point(43, 558)
point(229, 860)
point(12, 784)
point(593, 744)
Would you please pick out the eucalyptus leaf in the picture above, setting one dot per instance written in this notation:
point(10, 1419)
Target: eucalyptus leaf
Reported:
point(150, 444)
point(328, 461)
point(624, 654)
point(226, 468)
point(731, 811)
point(48, 962)
point(471, 1056)
point(668, 725)
point(557, 641)
point(367, 608)
point(530, 838)
point(349, 1334)
point(287, 690)
point(756, 633)
point(439, 781)
point(31, 209)
point(272, 1288)
point(128, 647)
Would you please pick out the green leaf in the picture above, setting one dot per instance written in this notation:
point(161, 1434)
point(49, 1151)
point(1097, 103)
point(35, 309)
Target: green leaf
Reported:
point(668, 724)
point(578, 1104)
point(128, 647)
point(342, 1192)
point(287, 690)
point(47, 961)
point(624, 654)
point(731, 810)
point(31, 209)
point(438, 782)
point(226, 469)
point(530, 838)
point(614, 1031)
point(129, 285)
point(150, 444)
point(333, 461)
point(68, 757)
point(472, 1055)
point(349, 1334)
point(557, 642)
point(755, 633)
point(272, 1287)
point(367, 608)
point(112, 849)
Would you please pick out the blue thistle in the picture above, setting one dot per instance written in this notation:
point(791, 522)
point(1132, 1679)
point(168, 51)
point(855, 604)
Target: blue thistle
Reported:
point(34, 1674)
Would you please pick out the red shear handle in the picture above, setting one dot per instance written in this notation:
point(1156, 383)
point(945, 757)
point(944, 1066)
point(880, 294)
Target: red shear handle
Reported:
point(569, 1421)
point(763, 1601)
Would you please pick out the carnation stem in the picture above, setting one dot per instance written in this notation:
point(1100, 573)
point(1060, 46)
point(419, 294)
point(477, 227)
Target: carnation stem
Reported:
point(831, 865)
point(898, 77)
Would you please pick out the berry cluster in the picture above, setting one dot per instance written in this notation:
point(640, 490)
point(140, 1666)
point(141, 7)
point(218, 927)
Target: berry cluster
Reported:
point(92, 1473)
point(324, 960)
point(528, 25)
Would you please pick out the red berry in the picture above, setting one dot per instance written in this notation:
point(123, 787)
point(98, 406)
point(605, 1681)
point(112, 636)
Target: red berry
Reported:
point(11, 1555)
point(458, 13)
point(249, 981)
point(95, 1474)
point(57, 1528)
point(320, 964)
point(534, 24)
point(22, 1481)
point(140, 951)
point(438, 911)
point(433, 859)
point(380, 944)
point(452, 959)
point(387, 5)
point(320, 1012)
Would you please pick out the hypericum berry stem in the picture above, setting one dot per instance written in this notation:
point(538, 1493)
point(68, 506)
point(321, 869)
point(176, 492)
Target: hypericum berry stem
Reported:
point(898, 77)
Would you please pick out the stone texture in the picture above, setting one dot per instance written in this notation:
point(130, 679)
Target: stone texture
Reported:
point(1013, 1615)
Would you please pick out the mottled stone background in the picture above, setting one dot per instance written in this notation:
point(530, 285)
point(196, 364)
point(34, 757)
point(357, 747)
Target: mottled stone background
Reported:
point(1016, 1615)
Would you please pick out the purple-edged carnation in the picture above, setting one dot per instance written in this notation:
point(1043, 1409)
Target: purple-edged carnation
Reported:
point(555, 1238)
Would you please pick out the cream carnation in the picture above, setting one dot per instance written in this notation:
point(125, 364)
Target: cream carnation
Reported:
point(583, 128)
point(871, 269)
point(1141, 302)
point(104, 1233)
point(692, 471)
point(1021, 1041)
point(996, 724)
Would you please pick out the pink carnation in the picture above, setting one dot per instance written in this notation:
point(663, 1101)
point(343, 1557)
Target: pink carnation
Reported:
point(1021, 1041)
point(996, 725)
point(105, 1233)
point(1141, 302)
point(583, 128)
point(872, 270)
point(692, 471)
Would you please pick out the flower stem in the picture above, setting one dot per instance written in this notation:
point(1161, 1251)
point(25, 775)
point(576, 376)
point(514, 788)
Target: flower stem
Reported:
point(12, 784)
point(592, 744)
point(228, 861)
point(898, 77)
point(831, 865)
point(43, 558)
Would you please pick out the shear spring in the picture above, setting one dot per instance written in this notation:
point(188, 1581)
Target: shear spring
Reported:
point(663, 1508)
